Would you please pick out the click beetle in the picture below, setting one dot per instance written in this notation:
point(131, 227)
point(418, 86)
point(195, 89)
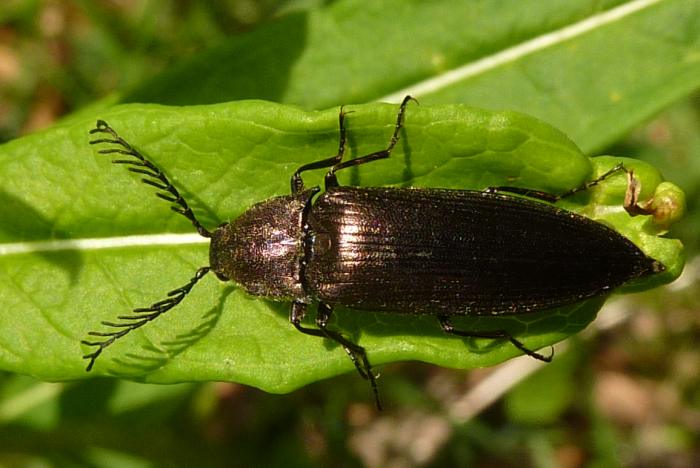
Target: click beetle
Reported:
point(429, 251)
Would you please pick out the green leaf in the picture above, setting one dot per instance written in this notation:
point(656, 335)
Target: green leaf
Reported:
point(558, 381)
point(55, 287)
point(592, 69)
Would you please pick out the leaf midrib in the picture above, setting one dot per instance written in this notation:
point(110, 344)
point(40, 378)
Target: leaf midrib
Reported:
point(512, 54)
point(100, 243)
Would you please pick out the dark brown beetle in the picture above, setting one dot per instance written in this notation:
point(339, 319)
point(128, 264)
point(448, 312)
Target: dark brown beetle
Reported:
point(399, 250)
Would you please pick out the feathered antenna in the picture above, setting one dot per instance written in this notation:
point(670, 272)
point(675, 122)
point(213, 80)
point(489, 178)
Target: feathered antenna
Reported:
point(154, 177)
point(141, 165)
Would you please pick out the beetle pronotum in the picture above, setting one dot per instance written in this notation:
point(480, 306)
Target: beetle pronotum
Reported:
point(505, 250)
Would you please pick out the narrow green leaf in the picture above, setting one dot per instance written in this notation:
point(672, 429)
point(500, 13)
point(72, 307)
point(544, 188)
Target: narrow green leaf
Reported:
point(592, 69)
point(68, 258)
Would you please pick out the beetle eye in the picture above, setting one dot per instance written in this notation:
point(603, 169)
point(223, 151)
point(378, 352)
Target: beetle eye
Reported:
point(221, 276)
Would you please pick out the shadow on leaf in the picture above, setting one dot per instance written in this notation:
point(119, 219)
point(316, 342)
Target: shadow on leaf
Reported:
point(154, 357)
point(25, 224)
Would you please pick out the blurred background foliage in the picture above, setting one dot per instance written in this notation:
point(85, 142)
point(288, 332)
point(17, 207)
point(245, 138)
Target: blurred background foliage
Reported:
point(624, 393)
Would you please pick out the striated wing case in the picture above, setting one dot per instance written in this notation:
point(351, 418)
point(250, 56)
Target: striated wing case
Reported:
point(459, 252)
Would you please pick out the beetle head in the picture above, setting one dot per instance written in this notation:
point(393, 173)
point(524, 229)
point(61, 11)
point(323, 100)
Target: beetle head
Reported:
point(262, 249)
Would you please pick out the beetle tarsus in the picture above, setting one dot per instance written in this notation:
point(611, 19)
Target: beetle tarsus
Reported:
point(362, 364)
point(331, 179)
point(551, 197)
point(336, 162)
point(619, 167)
point(529, 352)
point(297, 182)
point(447, 327)
point(357, 354)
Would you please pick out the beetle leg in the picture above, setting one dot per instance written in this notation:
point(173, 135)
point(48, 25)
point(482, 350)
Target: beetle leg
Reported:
point(614, 170)
point(357, 353)
point(297, 315)
point(550, 197)
point(538, 194)
point(322, 318)
point(631, 204)
point(332, 180)
point(495, 334)
point(297, 182)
